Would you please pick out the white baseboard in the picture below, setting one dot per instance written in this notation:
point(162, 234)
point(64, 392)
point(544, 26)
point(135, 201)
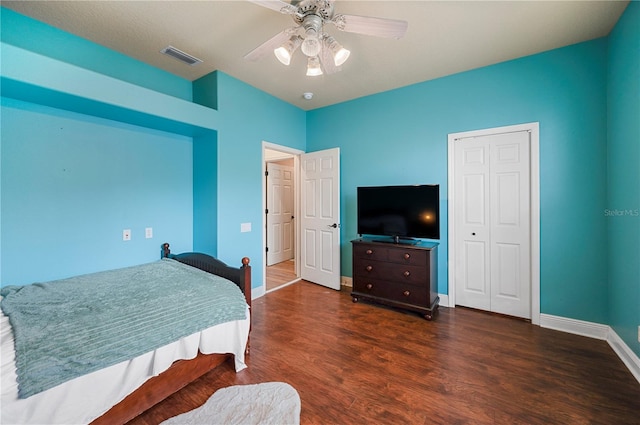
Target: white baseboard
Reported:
point(573, 326)
point(444, 300)
point(597, 331)
point(346, 281)
point(257, 292)
point(623, 351)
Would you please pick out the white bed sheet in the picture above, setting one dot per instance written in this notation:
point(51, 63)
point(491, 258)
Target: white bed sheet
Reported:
point(86, 398)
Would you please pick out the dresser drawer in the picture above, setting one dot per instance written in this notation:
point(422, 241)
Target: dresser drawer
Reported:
point(370, 252)
point(400, 292)
point(407, 256)
point(391, 272)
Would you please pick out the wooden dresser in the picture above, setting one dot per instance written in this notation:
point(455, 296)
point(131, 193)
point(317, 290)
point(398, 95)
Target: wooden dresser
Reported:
point(399, 275)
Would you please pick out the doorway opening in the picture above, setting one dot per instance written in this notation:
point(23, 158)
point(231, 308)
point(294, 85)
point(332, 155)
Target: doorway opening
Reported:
point(314, 224)
point(280, 232)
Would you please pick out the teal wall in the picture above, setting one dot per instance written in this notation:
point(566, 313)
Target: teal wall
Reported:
point(400, 137)
point(623, 202)
point(71, 183)
point(205, 194)
point(248, 117)
point(205, 173)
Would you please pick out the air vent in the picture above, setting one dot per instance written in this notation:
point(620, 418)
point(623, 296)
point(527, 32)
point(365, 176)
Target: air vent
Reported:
point(180, 55)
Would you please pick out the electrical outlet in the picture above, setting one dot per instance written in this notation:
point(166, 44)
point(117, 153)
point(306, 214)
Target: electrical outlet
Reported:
point(126, 235)
point(148, 232)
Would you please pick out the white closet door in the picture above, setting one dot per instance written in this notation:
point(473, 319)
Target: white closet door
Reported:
point(492, 247)
point(473, 254)
point(510, 224)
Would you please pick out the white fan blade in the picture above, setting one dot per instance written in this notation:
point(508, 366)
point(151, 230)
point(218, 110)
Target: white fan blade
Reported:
point(379, 27)
point(268, 46)
point(277, 5)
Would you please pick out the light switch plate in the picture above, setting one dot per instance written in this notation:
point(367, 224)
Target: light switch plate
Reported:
point(126, 235)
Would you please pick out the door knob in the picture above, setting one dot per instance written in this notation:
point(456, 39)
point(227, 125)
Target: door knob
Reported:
point(334, 225)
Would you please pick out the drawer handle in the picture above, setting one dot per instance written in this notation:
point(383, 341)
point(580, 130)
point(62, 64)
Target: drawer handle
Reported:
point(369, 252)
point(407, 273)
point(406, 293)
point(369, 268)
point(369, 286)
point(407, 256)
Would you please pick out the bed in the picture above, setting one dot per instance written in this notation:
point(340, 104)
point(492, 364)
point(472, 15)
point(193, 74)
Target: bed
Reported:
point(101, 388)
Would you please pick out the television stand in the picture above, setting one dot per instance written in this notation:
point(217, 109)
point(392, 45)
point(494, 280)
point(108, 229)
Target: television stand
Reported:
point(399, 275)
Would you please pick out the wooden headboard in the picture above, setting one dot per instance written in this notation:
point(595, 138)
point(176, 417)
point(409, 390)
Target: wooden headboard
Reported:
point(240, 276)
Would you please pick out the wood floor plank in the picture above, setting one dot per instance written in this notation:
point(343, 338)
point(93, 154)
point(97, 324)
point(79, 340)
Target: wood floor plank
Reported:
point(280, 273)
point(364, 364)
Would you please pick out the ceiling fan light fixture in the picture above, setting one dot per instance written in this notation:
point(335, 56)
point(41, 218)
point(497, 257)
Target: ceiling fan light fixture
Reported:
point(324, 53)
point(313, 67)
point(285, 52)
point(340, 54)
point(312, 25)
point(283, 55)
point(311, 44)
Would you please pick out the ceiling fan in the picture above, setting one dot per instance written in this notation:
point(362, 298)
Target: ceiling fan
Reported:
point(322, 50)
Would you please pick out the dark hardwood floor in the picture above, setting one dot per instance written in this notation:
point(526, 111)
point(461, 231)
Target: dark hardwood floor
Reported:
point(365, 364)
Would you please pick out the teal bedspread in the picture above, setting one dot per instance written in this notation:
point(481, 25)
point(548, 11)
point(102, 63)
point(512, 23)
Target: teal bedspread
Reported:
point(67, 328)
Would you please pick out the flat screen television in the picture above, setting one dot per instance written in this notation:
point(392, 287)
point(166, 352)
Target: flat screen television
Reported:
point(400, 212)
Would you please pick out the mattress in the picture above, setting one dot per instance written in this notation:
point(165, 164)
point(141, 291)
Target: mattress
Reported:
point(86, 398)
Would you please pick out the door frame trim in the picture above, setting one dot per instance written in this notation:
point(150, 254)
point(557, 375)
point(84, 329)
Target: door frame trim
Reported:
point(296, 205)
point(534, 130)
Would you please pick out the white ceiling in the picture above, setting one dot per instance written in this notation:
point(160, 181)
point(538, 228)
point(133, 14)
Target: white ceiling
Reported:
point(444, 37)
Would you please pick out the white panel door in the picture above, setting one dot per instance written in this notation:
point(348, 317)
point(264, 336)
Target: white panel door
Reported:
point(473, 269)
point(279, 213)
point(320, 218)
point(492, 244)
point(510, 224)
